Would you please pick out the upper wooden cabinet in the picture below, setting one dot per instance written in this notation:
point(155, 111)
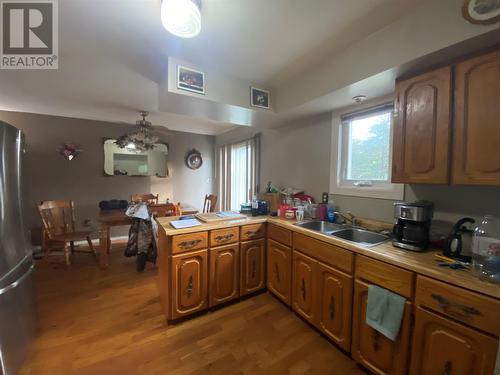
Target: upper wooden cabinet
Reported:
point(476, 157)
point(421, 141)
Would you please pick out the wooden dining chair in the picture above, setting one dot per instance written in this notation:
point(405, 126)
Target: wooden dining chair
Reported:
point(58, 218)
point(164, 210)
point(146, 198)
point(209, 203)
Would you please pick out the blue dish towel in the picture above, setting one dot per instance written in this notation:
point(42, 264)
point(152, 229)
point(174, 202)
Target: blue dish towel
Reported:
point(384, 311)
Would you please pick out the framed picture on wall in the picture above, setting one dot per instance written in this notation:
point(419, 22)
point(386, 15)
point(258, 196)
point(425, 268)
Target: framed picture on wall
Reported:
point(190, 80)
point(259, 98)
point(483, 12)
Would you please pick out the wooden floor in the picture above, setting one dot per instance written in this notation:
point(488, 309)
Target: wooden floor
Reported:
point(110, 322)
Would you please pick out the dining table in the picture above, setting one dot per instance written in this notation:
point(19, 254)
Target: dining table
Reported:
point(117, 217)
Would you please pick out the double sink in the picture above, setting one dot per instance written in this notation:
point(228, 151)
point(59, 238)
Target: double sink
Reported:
point(350, 233)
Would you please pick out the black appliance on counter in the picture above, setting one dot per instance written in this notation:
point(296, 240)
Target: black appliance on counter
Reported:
point(412, 225)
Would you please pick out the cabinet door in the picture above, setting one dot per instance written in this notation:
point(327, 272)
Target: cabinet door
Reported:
point(189, 283)
point(279, 270)
point(304, 286)
point(476, 157)
point(224, 274)
point(441, 346)
point(335, 305)
point(252, 266)
point(421, 142)
point(372, 349)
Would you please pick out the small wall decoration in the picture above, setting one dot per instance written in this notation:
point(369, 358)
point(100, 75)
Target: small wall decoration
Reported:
point(190, 80)
point(69, 150)
point(259, 98)
point(194, 159)
point(483, 12)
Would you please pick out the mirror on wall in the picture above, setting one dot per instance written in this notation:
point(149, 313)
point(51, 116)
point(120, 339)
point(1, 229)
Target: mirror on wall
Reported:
point(129, 162)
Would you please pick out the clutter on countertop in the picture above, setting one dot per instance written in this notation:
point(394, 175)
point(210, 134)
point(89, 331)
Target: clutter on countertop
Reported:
point(486, 249)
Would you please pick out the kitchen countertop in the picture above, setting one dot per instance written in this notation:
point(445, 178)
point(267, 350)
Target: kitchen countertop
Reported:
point(422, 263)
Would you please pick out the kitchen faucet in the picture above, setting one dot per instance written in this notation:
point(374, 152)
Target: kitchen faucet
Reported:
point(348, 216)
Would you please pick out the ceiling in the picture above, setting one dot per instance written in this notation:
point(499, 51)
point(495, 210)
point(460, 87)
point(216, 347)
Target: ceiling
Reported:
point(113, 53)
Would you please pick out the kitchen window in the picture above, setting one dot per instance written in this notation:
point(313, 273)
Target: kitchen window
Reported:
point(238, 172)
point(363, 142)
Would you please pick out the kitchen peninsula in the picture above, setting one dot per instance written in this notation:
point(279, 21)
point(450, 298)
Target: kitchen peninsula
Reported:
point(325, 280)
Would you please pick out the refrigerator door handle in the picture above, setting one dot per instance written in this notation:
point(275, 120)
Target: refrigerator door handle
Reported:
point(18, 281)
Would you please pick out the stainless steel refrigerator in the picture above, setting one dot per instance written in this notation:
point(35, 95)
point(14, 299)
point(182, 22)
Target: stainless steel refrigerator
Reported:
point(17, 307)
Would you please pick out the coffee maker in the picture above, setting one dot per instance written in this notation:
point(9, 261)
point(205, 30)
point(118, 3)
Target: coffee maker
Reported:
point(412, 225)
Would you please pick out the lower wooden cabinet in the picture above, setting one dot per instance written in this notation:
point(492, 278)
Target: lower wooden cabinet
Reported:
point(442, 346)
point(304, 286)
point(372, 349)
point(279, 270)
point(334, 305)
point(189, 283)
point(252, 266)
point(224, 274)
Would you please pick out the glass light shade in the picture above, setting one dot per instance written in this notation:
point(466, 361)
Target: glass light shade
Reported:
point(181, 17)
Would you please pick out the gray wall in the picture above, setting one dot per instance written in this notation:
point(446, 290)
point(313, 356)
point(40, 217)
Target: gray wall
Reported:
point(298, 155)
point(48, 176)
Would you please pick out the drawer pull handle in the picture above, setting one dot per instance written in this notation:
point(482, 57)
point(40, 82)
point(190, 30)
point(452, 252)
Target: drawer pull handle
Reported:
point(188, 244)
point(254, 269)
point(189, 289)
point(455, 309)
point(251, 233)
point(331, 308)
point(224, 238)
point(303, 289)
point(376, 341)
point(277, 272)
point(447, 369)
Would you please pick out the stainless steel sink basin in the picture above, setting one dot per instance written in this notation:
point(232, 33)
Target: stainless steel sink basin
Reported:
point(320, 226)
point(360, 236)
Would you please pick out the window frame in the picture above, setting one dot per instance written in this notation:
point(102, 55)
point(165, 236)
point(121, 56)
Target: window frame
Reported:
point(339, 184)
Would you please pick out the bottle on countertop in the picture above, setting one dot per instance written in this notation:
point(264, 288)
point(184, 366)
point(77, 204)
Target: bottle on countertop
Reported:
point(255, 206)
point(486, 250)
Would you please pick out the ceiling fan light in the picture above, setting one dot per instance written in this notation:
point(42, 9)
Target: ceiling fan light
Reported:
point(181, 17)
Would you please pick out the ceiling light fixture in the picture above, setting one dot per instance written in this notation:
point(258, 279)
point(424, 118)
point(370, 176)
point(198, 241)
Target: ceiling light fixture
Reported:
point(181, 17)
point(142, 139)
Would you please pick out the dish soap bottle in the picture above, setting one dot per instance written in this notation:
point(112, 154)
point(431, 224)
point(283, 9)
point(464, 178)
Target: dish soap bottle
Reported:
point(486, 250)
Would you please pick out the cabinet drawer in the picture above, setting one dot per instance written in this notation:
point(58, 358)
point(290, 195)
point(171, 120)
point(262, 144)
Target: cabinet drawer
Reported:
point(396, 279)
point(471, 308)
point(252, 232)
point(188, 242)
point(330, 254)
point(224, 236)
point(280, 235)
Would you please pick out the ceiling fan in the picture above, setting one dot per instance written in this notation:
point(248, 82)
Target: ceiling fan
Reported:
point(145, 137)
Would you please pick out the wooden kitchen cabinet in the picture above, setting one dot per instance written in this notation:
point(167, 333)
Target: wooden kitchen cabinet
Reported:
point(304, 288)
point(476, 157)
point(372, 349)
point(224, 274)
point(421, 141)
point(252, 266)
point(442, 346)
point(334, 305)
point(279, 271)
point(189, 283)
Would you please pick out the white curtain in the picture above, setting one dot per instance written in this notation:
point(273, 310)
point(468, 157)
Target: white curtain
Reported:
point(238, 172)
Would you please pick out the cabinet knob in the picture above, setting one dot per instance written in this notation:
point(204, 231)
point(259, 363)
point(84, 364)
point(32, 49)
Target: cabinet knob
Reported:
point(376, 341)
point(224, 238)
point(303, 288)
point(188, 244)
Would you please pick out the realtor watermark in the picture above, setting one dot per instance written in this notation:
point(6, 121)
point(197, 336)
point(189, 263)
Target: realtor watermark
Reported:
point(29, 34)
